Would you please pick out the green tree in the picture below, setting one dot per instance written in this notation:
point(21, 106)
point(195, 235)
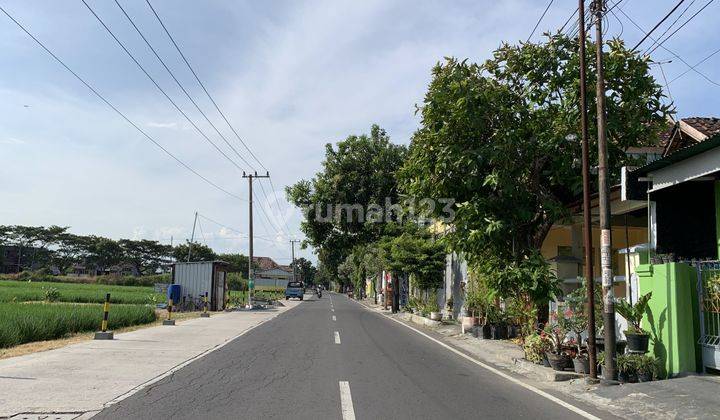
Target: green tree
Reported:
point(359, 171)
point(238, 262)
point(305, 270)
point(146, 255)
point(199, 252)
point(498, 138)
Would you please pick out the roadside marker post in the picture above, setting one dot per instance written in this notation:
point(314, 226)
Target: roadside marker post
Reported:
point(169, 320)
point(205, 313)
point(104, 334)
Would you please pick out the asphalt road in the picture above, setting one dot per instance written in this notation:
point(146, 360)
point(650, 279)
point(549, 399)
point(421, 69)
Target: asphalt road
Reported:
point(296, 367)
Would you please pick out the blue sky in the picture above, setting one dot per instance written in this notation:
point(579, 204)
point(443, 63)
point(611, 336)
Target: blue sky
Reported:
point(290, 75)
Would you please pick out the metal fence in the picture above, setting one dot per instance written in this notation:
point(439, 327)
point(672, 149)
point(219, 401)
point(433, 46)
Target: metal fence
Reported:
point(708, 288)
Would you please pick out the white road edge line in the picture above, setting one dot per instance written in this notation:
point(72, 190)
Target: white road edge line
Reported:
point(334, 319)
point(187, 362)
point(337, 337)
point(529, 387)
point(346, 405)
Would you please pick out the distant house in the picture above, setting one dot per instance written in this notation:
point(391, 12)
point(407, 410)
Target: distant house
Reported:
point(271, 274)
point(124, 269)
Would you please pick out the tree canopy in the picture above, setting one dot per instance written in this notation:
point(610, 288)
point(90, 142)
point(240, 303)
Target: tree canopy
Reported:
point(502, 138)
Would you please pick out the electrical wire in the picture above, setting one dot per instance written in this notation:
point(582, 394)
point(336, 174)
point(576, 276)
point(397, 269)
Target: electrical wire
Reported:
point(180, 85)
point(120, 113)
point(202, 85)
point(696, 65)
point(540, 20)
point(210, 97)
point(670, 51)
point(140, 66)
point(657, 25)
point(680, 27)
point(670, 26)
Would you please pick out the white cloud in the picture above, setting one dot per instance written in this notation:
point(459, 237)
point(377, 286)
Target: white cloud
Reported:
point(12, 140)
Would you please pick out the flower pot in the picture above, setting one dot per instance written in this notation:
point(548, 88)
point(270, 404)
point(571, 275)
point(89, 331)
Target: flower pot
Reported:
point(644, 376)
point(581, 365)
point(435, 316)
point(499, 332)
point(486, 331)
point(637, 343)
point(512, 331)
point(557, 361)
point(627, 377)
point(468, 322)
point(545, 361)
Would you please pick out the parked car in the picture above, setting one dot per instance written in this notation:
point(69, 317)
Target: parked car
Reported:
point(294, 289)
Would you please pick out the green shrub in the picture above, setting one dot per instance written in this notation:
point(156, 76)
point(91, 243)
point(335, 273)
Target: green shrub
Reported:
point(27, 322)
point(52, 294)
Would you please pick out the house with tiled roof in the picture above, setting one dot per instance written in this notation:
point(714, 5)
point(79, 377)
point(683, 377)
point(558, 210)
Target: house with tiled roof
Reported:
point(688, 132)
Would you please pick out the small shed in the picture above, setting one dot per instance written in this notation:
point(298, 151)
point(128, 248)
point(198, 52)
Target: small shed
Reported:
point(197, 278)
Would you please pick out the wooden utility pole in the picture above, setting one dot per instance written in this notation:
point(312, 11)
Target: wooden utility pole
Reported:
point(292, 244)
point(587, 216)
point(610, 368)
point(251, 277)
point(192, 237)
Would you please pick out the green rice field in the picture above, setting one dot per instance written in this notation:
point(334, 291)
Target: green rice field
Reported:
point(23, 291)
point(26, 322)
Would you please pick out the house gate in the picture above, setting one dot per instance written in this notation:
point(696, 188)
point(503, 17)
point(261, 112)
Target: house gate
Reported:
point(708, 290)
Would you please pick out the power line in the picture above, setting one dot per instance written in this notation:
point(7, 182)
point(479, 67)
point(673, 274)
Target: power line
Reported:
point(180, 85)
point(202, 133)
point(109, 104)
point(670, 51)
point(657, 25)
point(242, 235)
point(202, 85)
point(695, 66)
point(680, 27)
point(262, 188)
point(540, 20)
point(671, 25)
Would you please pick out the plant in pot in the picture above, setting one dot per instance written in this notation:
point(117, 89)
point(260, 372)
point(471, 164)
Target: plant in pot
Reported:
point(627, 366)
point(535, 347)
point(637, 338)
point(433, 308)
point(449, 306)
point(575, 321)
point(555, 332)
point(498, 323)
point(600, 362)
point(647, 367)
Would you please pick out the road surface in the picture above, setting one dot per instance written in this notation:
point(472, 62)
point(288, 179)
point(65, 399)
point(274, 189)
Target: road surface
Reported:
point(331, 358)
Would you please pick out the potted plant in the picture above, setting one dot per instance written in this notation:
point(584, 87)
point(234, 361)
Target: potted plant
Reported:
point(557, 358)
point(600, 362)
point(433, 308)
point(627, 366)
point(637, 338)
point(535, 347)
point(647, 367)
point(449, 305)
point(498, 324)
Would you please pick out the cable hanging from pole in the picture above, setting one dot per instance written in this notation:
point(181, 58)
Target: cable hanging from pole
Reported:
point(117, 111)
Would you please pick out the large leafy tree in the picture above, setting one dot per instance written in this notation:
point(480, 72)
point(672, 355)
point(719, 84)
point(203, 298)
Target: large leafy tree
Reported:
point(198, 252)
point(358, 171)
point(501, 138)
point(304, 270)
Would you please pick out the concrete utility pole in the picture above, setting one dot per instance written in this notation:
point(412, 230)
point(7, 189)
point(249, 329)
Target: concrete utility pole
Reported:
point(192, 237)
point(292, 245)
point(610, 369)
point(251, 278)
point(587, 217)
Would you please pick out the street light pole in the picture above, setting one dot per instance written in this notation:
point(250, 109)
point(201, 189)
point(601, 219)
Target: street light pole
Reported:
point(587, 217)
point(610, 368)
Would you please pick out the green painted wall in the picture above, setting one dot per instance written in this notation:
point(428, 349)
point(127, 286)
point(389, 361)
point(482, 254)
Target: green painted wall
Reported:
point(672, 317)
point(717, 215)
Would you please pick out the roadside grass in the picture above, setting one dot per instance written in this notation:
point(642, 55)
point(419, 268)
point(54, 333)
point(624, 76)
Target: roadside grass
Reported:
point(45, 345)
point(27, 322)
point(240, 297)
point(24, 291)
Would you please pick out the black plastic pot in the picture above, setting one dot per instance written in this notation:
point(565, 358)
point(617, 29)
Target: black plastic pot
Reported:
point(499, 332)
point(581, 365)
point(557, 361)
point(545, 361)
point(486, 331)
point(637, 343)
point(644, 377)
point(625, 377)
